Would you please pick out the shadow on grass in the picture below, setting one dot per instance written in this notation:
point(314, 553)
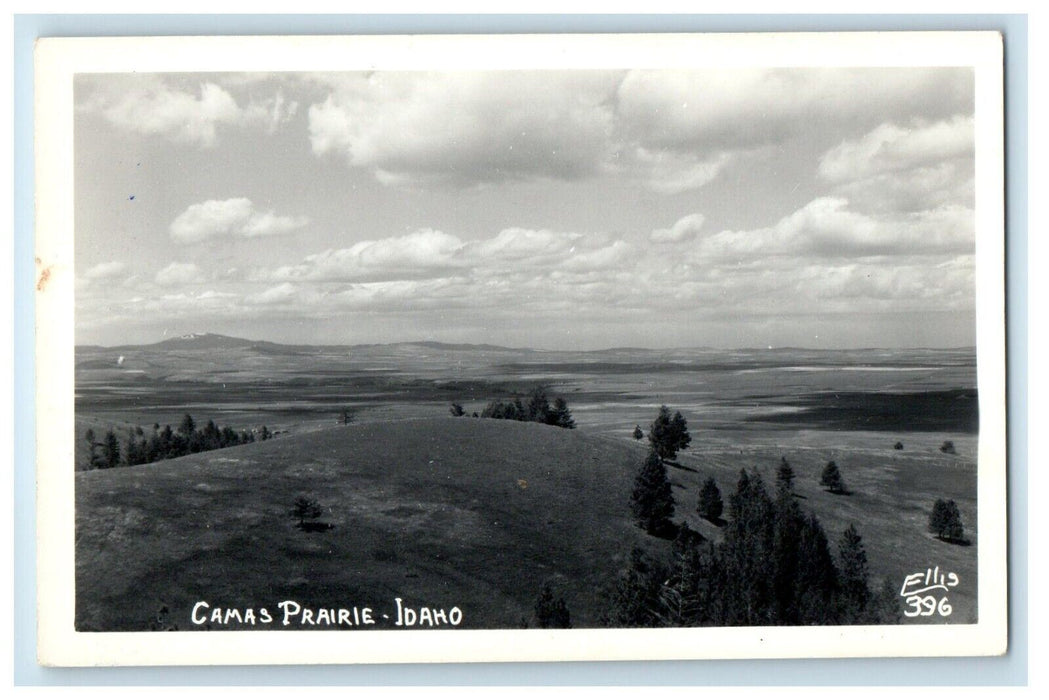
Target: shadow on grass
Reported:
point(719, 522)
point(315, 527)
point(960, 541)
point(665, 531)
point(682, 467)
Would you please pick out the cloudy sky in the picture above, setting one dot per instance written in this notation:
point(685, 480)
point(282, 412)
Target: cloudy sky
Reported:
point(564, 209)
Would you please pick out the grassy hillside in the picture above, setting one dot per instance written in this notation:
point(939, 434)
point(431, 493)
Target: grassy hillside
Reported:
point(892, 494)
point(446, 512)
point(472, 513)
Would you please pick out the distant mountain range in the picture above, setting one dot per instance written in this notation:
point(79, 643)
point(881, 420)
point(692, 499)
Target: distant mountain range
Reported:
point(218, 341)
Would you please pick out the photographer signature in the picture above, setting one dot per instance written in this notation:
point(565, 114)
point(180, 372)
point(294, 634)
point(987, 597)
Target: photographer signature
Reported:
point(925, 592)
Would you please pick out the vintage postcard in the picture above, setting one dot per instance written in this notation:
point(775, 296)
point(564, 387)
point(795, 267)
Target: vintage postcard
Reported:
point(520, 348)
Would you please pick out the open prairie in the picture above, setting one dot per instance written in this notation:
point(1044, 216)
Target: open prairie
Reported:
point(479, 514)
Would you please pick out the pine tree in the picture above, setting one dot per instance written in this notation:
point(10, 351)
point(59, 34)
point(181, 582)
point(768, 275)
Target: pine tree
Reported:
point(560, 416)
point(110, 450)
point(187, 427)
point(306, 509)
point(945, 521)
point(550, 612)
point(785, 548)
point(635, 600)
point(854, 590)
point(93, 458)
point(652, 500)
point(669, 435)
point(784, 478)
point(748, 553)
point(684, 595)
point(817, 582)
point(831, 478)
point(538, 406)
point(710, 504)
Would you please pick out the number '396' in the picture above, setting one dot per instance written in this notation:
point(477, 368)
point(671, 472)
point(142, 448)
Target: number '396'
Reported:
point(927, 606)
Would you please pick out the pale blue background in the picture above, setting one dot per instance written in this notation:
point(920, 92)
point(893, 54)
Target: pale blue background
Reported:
point(1008, 670)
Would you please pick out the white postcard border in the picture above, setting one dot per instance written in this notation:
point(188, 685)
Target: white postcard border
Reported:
point(58, 60)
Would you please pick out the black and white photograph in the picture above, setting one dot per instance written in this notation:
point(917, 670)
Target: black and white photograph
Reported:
point(679, 339)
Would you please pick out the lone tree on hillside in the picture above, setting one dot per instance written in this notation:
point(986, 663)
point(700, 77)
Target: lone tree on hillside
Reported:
point(457, 410)
point(652, 501)
point(946, 522)
point(710, 504)
point(638, 433)
point(669, 434)
point(831, 478)
point(948, 448)
point(306, 509)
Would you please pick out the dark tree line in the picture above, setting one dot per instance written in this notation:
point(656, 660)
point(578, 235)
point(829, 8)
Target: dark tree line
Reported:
point(775, 566)
point(538, 409)
point(165, 443)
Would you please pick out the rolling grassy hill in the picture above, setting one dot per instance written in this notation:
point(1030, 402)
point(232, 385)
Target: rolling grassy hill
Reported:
point(472, 513)
point(477, 514)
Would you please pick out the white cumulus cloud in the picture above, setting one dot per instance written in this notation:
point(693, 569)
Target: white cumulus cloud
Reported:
point(911, 168)
point(827, 227)
point(106, 270)
point(892, 148)
point(235, 217)
point(419, 254)
point(719, 109)
point(178, 274)
point(152, 105)
point(467, 127)
point(684, 228)
point(671, 130)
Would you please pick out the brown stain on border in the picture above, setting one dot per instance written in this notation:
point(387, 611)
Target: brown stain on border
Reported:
point(45, 277)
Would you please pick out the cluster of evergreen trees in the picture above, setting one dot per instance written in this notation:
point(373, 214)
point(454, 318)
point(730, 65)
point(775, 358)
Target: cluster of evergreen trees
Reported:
point(538, 409)
point(945, 522)
point(774, 566)
point(652, 501)
point(668, 434)
point(165, 443)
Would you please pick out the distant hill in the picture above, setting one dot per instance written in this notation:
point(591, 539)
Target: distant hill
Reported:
point(209, 341)
point(464, 512)
point(217, 341)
